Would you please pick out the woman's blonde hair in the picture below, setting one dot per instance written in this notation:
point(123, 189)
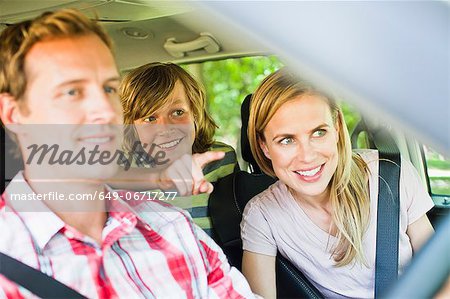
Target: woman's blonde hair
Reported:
point(349, 193)
point(146, 89)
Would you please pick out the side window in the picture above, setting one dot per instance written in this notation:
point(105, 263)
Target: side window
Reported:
point(227, 82)
point(438, 169)
point(352, 118)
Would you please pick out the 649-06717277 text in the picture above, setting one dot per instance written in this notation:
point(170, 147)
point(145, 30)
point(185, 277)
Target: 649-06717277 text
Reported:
point(104, 195)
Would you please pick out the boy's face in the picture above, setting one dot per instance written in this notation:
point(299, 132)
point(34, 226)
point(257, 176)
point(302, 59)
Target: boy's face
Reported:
point(171, 128)
point(72, 86)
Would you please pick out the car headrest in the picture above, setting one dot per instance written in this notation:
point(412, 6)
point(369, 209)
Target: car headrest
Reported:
point(245, 144)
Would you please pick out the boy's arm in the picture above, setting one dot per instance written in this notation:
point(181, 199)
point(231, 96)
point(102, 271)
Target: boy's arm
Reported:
point(135, 178)
point(184, 174)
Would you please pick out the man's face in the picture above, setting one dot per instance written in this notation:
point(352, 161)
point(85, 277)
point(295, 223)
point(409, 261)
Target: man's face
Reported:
point(71, 99)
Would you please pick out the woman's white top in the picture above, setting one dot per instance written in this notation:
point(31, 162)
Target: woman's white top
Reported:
point(274, 221)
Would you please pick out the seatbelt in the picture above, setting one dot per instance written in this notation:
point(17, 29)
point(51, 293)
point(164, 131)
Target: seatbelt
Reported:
point(34, 280)
point(388, 212)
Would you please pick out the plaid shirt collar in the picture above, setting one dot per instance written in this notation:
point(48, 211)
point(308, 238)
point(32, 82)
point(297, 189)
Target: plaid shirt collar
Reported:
point(43, 224)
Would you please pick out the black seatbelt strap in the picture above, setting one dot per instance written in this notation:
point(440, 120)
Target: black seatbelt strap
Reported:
point(34, 280)
point(388, 214)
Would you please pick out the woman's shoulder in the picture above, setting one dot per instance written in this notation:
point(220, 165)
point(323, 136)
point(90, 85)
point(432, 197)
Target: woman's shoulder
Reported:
point(270, 198)
point(369, 156)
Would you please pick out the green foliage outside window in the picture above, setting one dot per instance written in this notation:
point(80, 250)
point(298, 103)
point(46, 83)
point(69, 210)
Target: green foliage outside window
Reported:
point(438, 168)
point(228, 81)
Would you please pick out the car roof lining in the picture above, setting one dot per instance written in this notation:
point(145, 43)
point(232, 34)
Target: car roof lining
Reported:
point(156, 20)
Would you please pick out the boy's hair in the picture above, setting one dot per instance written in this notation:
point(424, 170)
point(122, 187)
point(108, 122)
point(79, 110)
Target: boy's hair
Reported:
point(146, 89)
point(18, 39)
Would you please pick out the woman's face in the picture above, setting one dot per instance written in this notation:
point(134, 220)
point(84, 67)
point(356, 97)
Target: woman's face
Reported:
point(171, 128)
point(301, 141)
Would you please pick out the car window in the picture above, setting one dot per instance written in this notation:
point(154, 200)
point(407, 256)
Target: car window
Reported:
point(228, 81)
point(438, 170)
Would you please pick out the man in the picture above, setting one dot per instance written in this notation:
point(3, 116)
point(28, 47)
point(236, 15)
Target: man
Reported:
point(58, 83)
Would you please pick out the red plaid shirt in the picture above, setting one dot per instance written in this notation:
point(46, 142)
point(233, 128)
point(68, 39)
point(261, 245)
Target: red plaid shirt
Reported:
point(158, 253)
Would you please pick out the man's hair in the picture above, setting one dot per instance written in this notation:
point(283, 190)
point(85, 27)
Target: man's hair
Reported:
point(18, 39)
point(146, 89)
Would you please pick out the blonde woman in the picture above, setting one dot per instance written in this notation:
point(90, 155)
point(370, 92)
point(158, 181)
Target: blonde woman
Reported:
point(321, 214)
point(165, 107)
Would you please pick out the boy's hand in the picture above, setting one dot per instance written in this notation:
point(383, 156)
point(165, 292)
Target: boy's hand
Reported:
point(186, 174)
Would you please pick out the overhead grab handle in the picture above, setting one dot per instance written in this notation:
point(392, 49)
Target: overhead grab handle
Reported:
point(204, 41)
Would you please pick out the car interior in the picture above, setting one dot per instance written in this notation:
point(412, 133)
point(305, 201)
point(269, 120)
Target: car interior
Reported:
point(198, 35)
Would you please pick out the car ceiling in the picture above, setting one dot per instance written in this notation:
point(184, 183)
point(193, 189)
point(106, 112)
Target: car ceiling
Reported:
point(140, 28)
